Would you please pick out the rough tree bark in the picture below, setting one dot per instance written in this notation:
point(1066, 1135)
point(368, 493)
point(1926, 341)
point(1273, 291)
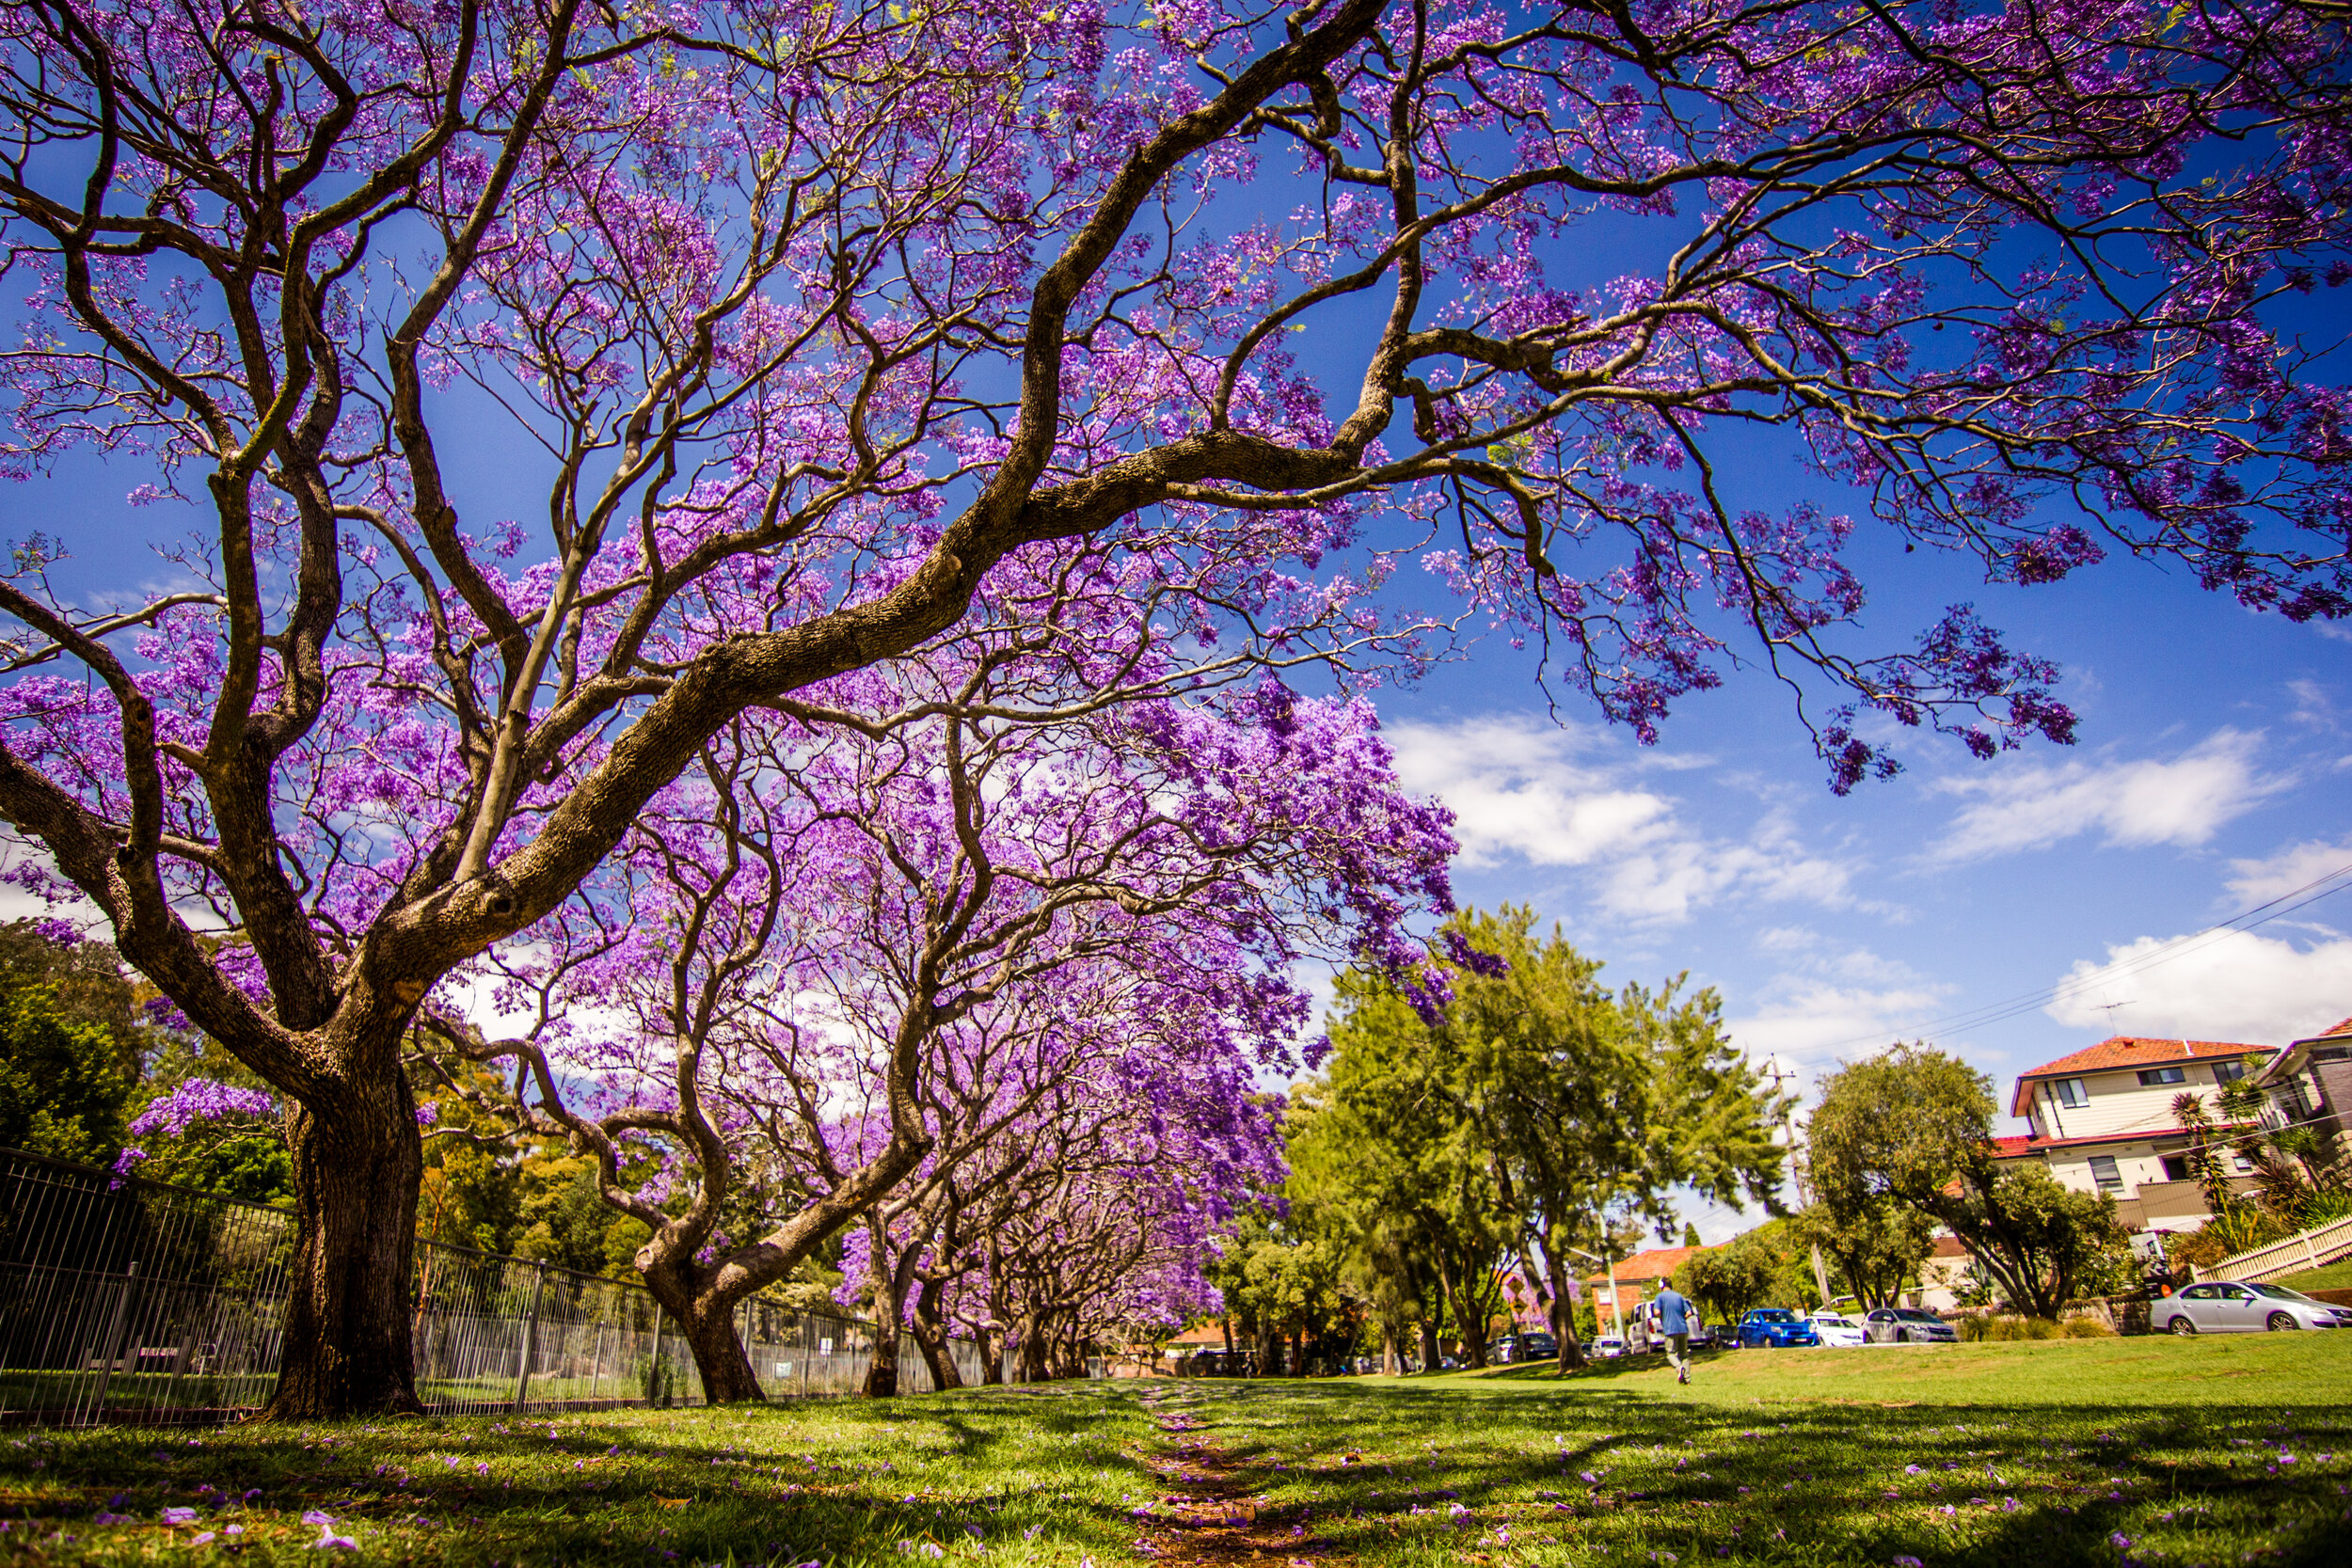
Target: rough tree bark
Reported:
point(929, 1326)
point(706, 1319)
point(348, 1341)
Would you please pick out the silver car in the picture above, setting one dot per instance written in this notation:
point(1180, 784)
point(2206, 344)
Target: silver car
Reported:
point(1907, 1326)
point(2242, 1307)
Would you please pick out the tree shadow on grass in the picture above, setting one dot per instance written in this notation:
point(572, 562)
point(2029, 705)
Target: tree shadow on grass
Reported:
point(895, 1481)
point(1811, 1482)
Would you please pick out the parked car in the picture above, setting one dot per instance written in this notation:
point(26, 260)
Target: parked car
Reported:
point(1908, 1325)
point(1837, 1330)
point(1775, 1328)
point(2242, 1307)
point(1534, 1347)
point(1608, 1347)
point(1703, 1334)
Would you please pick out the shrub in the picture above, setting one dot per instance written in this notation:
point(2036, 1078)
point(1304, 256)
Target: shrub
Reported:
point(2085, 1328)
point(2016, 1328)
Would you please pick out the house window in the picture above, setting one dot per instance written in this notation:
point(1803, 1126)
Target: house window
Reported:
point(2176, 1168)
point(2071, 1092)
point(2229, 1072)
point(2103, 1171)
point(2155, 1076)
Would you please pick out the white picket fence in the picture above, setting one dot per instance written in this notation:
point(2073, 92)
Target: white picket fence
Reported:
point(2315, 1248)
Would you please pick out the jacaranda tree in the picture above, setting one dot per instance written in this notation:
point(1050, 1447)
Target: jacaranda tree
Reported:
point(807, 317)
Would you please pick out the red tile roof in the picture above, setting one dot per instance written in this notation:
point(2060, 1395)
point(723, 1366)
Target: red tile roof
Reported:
point(2125, 1050)
point(1210, 1333)
point(1657, 1263)
point(2344, 1028)
point(2017, 1147)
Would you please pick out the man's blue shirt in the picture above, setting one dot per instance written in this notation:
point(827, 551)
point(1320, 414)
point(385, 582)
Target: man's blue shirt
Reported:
point(1673, 1311)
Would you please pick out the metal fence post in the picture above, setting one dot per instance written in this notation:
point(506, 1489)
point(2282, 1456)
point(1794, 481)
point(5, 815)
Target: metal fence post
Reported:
point(111, 1349)
point(530, 1338)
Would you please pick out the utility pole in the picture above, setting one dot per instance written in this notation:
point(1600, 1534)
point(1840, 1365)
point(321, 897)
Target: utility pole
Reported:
point(1782, 1070)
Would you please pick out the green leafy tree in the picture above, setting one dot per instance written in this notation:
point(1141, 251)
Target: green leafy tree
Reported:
point(64, 1084)
point(1726, 1280)
point(1288, 1294)
point(1538, 1116)
point(1388, 1149)
point(1595, 1107)
point(1875, 1243)
point(68, 1045)
point(1915, 1124)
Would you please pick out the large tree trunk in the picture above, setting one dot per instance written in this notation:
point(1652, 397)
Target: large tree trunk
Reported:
point(1036, 1347)
point(707, 1325)
point(349, 1347)
point(889, 1298)
point(1563, 1312)
point(930, 1337)
point(1430, 1352)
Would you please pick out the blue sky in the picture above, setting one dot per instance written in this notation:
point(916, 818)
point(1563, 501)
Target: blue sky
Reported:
point(2213, 772)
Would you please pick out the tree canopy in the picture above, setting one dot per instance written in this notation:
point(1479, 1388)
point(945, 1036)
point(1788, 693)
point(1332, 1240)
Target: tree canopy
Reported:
point(1534, 1117)
point(814, 319)
point(1914, 1125)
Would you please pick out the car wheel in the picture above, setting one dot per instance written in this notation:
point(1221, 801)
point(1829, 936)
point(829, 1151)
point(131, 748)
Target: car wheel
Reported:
point(2182, 1326)
point(2279, 1322)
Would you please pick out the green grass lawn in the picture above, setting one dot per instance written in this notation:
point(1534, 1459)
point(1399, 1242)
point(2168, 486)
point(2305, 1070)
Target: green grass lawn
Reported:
point(2335, 1276)
point(2208, 1451)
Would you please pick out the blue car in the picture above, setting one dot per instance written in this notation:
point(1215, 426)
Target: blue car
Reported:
point(1775, 1328)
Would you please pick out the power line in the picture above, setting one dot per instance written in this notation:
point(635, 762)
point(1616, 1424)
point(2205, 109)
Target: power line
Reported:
point(2179, 947)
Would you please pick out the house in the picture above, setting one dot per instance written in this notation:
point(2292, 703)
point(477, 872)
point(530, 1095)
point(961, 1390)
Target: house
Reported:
point(1641, 1275)
point(2102, 1121)
point(2310, 1083)
point(1942, 1275)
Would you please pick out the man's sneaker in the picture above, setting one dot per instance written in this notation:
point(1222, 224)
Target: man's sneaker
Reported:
point(1682, 1377)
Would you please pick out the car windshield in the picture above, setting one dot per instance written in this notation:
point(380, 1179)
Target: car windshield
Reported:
point(2278, 1292)
point(1911, 1315)
point(1772, 1315)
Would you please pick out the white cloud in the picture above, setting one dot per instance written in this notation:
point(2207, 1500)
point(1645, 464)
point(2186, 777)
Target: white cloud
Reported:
point(1815, 1019)
point(2182, 801)
point(2314, 705)
point(2234, 985)
point(1522, 788)
point(1517, 789)
point(2298, 866)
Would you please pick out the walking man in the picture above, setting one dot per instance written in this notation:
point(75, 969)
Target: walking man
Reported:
point(1674, 1319)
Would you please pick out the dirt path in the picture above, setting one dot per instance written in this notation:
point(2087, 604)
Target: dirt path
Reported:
point(1211, 1513)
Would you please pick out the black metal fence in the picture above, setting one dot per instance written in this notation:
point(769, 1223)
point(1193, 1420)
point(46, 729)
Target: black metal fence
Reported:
point(130, 1301)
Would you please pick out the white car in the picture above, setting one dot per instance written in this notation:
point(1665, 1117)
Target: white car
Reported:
point(1838, 1331)
point(1608, 1347)
point(2242, 1307)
